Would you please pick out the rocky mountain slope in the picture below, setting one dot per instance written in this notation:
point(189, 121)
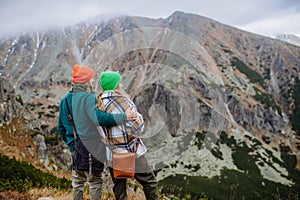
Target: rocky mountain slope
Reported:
point(213, 97)
point(21, 135)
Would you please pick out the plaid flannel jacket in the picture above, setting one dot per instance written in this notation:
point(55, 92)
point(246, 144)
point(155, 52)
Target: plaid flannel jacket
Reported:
point(124, 137)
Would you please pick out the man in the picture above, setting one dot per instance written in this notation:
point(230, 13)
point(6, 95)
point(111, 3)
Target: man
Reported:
point(124, 137)
point(77, 125)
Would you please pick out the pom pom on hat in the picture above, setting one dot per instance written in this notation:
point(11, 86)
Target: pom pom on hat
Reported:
point(82, 74)
point(109, 80)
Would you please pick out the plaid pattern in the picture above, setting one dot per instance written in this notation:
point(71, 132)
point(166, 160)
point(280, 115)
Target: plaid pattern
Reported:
point(124, 137)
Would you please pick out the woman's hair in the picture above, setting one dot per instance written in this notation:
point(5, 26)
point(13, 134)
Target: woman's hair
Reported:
point(119, 91)
point(100, 104)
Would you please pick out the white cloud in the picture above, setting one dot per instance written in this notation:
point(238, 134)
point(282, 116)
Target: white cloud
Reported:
point(28, 15)
point(255, 16)
point(278, 25)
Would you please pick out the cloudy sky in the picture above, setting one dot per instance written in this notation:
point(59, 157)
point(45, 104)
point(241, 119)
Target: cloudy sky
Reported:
point(266, 17)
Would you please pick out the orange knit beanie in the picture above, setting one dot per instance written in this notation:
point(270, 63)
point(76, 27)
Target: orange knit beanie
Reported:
point(82, 74)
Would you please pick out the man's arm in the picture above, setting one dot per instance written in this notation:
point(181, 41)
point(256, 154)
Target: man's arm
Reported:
point(106, 119)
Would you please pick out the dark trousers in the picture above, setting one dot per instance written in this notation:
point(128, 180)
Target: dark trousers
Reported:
point(145, 177)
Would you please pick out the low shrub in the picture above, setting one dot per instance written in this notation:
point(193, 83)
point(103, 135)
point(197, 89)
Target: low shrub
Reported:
point(22, 176)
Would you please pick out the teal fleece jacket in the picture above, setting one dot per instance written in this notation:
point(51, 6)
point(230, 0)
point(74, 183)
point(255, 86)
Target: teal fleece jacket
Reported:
point(85, 116)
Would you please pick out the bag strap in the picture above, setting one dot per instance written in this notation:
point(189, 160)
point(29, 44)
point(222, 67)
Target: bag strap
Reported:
point(75, 135)
point(71, 119)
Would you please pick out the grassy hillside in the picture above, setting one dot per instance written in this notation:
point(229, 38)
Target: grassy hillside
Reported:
point(245, 183)
point(22, 176)
point(230, 185)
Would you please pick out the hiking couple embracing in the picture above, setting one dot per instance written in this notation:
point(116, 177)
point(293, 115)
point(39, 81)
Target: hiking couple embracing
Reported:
point(95, 126)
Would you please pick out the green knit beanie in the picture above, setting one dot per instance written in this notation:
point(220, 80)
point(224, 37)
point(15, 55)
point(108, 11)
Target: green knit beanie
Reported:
point(109, 80)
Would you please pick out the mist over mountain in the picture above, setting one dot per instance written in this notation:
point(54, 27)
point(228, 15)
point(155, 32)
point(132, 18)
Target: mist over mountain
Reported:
point(289, 38)
point(217, 101)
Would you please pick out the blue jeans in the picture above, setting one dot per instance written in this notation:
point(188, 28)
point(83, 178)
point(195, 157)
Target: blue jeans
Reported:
point(79, 178)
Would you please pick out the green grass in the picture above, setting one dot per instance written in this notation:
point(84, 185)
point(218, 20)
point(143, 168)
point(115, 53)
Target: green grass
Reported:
point(296, 111)
point(22, 176)
point(244, 161)
point(251, 74)
point(231, 184)
point(267, 100)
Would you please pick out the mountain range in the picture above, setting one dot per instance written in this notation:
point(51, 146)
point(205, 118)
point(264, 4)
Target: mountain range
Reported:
point(218, 102)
